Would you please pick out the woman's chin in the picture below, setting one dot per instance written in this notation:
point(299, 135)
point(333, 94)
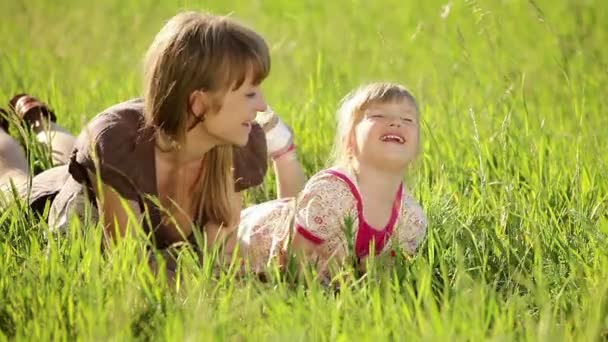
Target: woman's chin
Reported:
point(237, 141)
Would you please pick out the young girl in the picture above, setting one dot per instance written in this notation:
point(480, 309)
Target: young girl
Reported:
point(190, 144)
point(378, 140)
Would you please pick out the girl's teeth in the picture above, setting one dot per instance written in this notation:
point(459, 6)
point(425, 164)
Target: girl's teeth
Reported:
point(392, 137)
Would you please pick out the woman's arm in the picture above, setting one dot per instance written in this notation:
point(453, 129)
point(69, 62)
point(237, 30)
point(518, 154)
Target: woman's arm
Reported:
point(114, 212)
point(225, 234)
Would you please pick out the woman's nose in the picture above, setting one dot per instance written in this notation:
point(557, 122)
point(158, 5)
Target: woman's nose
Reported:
point(261, 105)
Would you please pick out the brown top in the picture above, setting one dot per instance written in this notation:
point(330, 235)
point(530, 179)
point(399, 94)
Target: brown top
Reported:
point(124, 155)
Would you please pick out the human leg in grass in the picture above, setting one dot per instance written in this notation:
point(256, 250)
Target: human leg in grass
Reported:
point(30, 114)
point(13, 164)
point(41, 119)
point(3, 120)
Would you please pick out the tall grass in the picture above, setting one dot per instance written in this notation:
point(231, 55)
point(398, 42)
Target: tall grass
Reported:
point(513, 177)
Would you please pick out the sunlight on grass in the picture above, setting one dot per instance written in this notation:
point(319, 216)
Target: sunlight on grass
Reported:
point(513, 176)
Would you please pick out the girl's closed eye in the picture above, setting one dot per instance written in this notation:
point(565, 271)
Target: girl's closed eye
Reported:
point(251, 94)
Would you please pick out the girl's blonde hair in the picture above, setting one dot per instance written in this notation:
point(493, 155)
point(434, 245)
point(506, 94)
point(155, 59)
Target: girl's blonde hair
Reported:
point(351, 110)
point(197, 51)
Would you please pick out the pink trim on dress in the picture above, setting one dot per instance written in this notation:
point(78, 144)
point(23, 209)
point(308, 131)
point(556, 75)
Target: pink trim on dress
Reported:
point(308, 235)
point(366, 233)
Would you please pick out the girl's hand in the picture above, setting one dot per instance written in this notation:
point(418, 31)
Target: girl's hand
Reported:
point(279, 136)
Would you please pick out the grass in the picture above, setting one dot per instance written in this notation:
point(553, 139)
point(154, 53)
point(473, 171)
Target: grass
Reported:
point(513, 177)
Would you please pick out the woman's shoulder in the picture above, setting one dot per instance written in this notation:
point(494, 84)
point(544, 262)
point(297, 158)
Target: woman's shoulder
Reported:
point(114, 144)
point(120, 127)
point(125, 116)
point(134, 104)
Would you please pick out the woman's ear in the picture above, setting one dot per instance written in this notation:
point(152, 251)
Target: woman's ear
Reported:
point(197, 106)
point(198, 103)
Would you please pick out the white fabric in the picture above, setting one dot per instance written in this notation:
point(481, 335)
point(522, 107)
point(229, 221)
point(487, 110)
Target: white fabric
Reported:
point(280, 136)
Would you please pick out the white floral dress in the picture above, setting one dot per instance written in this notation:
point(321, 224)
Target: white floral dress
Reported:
point(329, 213)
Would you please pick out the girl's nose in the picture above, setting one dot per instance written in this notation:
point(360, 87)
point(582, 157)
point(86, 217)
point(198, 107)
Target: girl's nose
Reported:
point(395, 122)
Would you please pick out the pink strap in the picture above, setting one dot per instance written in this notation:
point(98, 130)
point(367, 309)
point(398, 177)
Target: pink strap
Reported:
point(355, 192)
point(366, 233)
point(308, 235)
point(352, 187)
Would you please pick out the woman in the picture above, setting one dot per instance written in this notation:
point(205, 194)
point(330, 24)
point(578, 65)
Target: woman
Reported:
point(191, 143)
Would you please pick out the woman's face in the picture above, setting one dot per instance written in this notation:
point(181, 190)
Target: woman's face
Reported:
point(230, 124)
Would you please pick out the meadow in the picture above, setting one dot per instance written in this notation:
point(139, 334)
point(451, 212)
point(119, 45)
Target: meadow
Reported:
point(513, 176)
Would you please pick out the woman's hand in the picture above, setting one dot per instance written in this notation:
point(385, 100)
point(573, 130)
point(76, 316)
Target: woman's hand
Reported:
point(225, 235)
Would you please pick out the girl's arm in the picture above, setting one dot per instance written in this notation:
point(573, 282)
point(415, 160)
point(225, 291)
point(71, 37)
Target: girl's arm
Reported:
point(319, 235)
point(290, 175)
point(413, 229)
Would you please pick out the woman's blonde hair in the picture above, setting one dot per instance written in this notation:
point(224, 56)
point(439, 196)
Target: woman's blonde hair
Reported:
point(352, 108)
point(197, 51)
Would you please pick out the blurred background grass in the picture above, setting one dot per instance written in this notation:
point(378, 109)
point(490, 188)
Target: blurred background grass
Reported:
point(513, 176)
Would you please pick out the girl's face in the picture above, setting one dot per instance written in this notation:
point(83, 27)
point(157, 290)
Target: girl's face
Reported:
point(387, 135)
point(231, 124)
